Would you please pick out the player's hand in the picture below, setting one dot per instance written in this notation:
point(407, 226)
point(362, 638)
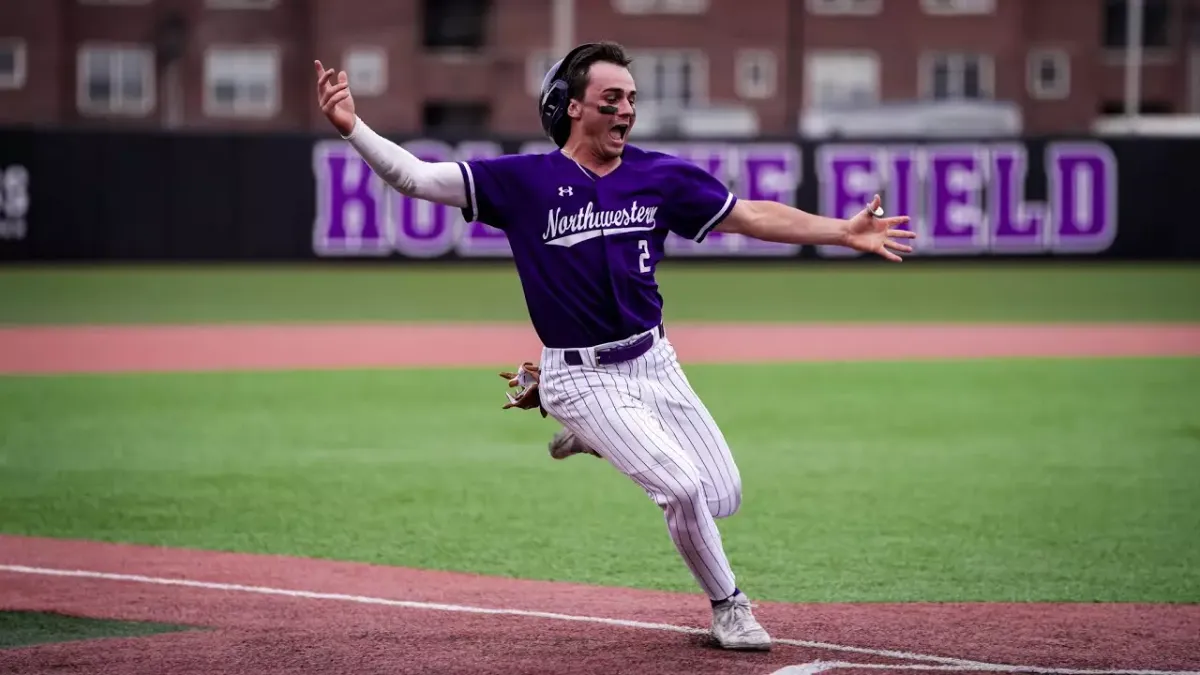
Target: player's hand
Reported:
point(867, 233)
point(335, 99)
point(526, 380)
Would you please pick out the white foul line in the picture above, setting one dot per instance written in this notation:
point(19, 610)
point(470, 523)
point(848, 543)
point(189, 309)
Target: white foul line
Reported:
point(825, 666)
point(948, 664)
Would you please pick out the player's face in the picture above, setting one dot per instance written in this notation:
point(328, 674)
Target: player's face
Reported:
point(608, 85)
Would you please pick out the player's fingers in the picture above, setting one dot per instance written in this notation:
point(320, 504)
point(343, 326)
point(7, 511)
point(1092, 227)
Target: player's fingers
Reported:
point(890, 256)
point(330, 92)
point(897, 246)
point(319, 67)
point(323, 77)
point(342, 77)
point(903, 234)
point(336, 99)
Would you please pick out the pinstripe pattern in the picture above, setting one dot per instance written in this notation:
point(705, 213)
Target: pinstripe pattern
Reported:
point(645, 419)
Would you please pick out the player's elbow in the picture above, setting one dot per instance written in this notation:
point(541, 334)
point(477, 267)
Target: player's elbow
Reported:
point(746, 217)
point(402, 181)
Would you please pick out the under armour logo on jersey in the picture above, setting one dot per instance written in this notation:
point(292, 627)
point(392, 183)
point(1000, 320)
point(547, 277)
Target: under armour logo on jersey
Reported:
point(566, 191)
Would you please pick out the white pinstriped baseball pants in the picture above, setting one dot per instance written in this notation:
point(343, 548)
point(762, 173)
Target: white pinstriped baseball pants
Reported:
point(644, 418)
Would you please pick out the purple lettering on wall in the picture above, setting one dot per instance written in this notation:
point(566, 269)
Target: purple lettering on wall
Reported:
point(350, 216)
point(717, 159)
point(475, 239)
point(770, 172)
point(954, 199)
point(1014, 225)
point(1083, 186)
point(423, 227)
point(902, 182)
point(849, 177)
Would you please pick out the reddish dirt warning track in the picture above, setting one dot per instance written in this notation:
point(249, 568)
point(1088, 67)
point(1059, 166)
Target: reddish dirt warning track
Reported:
point(268, 614)
point(192, 348)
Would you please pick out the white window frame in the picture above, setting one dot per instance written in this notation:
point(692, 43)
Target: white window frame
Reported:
point(766, 60)
point(699, 74)
point(641, 7)
point(245, 110)
point(987, 74)
point(865, 55)
point(1037, 89)
point(1194, 80)
point(958, 7)
point(20, 64)
point(241, 4)
point(82, 73)
point(845, 7)
point(359, 88)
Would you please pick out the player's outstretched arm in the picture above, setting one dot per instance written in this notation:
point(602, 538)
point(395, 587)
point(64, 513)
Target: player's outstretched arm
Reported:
point(772, 221)
point(440, 182)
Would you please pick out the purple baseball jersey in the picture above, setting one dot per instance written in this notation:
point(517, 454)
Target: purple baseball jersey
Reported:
point(586, 246)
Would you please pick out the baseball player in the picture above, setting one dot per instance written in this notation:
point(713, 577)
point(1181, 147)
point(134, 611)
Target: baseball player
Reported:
point(586, 224)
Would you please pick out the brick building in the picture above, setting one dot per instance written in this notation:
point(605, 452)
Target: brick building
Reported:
point(470, 66)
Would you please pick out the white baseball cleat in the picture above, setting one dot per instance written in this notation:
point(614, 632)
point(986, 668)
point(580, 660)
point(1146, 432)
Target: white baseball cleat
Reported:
point(734, 625)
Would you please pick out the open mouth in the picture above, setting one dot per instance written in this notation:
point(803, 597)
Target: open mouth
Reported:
point(618, 132)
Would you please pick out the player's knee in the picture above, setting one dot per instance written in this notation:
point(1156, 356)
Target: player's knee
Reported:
point(728, 500)
point(679, 489)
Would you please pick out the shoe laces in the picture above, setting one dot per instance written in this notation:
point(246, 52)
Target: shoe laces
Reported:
point(741, 616)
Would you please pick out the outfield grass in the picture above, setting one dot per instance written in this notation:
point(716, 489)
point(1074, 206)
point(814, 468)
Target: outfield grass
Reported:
point(998, 480)
point(21, 629)
point(767, 291)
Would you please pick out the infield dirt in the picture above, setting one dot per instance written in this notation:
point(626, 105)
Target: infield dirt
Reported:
point(267, 347)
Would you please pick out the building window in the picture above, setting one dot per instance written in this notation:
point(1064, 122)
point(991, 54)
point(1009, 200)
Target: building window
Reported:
point(12, 63)
point(241, 81)
point(660, 6)
point(958, 77)
point(367, 69)
point(671, 78)
point(1110, 108)
point(1049, 74)
point(852, 7)
point(115, 79)
point(841, 79)
point(455, 24)
point(948, 7)
point(456, 119)
point(241, 4)
point(1156, 16)
point(756, 73)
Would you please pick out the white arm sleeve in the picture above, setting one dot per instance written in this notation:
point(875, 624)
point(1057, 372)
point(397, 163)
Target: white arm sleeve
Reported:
point(440, 182)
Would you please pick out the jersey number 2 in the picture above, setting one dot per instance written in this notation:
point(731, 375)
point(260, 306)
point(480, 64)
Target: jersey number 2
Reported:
point(644, 246)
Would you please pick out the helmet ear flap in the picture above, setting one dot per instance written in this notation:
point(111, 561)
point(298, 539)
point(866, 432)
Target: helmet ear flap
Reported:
point(555, 122)
point(552, 105)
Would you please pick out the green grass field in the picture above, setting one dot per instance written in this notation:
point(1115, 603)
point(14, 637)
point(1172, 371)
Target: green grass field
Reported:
point(1016, 480)
point(988, 480)
point(767, 291)
point(22, 629)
